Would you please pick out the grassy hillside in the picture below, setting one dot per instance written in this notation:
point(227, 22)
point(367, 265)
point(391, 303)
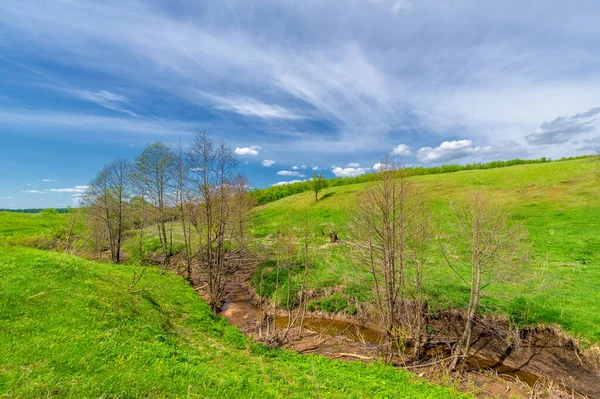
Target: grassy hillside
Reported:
point(69, 328)
point(558, 202)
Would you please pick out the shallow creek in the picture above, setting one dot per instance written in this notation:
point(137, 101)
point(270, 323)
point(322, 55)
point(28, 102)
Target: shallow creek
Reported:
point(241, 312)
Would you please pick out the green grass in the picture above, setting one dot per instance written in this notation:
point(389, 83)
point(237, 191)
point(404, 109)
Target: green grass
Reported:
point(558, 202)
point(25, 224)
point(69, 328)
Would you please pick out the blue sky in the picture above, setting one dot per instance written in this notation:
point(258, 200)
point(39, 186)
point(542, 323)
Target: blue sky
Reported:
point(291, 85)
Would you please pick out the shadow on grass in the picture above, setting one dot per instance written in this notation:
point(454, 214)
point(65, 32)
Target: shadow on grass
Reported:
point(325, 196)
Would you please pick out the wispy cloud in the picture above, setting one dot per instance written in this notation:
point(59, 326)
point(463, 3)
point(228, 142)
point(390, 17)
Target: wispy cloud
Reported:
point(104, 98)
point(268, 163)
point(72, 190)
point(251, 107)
point(82, 122)
point(224, 68)
point(76, 189)
point(290, 173)
point(564, 128)
point(48, 180)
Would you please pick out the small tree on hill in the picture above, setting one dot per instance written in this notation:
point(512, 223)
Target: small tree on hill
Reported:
point(318, 183)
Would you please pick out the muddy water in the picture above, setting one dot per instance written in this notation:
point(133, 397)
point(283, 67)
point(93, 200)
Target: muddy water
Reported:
point(351, 331)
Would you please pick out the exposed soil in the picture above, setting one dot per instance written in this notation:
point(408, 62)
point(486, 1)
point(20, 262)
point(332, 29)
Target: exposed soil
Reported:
point(504, 363)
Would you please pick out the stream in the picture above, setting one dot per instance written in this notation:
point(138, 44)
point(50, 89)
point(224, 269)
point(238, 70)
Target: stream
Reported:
point(242, 313)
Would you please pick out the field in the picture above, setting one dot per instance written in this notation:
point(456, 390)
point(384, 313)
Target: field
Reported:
point(558, 202)
point(69, 328)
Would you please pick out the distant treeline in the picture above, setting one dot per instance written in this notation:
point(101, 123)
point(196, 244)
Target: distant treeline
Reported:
point(36, 210)
point(274, 193)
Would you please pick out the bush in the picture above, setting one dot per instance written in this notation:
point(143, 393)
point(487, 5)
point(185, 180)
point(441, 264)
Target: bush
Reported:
point(332, 304)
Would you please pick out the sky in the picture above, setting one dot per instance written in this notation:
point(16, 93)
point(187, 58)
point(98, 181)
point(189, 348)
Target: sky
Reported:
point(293, 86)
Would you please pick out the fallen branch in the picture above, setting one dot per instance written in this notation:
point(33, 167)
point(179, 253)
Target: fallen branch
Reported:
point(338, 355)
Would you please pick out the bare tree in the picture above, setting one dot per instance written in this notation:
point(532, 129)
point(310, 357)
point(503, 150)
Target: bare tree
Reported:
point(390, 228)
point(154, 172)
point(107, 199)
point(318, 183)
point(181, 176)
point(220, 219)
point(484, 249)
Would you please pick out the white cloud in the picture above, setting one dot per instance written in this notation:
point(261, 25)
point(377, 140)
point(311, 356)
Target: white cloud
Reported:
point(33, 191)
point(48, 180)
point(252, 150)
point(268, 163)
point(402, 150)
point(76, 189)
point(458, 149)
point(353, 165)
point(315, 168)
point(348, 172)
point(283, 183)
point(378, 167)
point(290, 173)
point(295, 167)
point(302, 166)
point(447, 151)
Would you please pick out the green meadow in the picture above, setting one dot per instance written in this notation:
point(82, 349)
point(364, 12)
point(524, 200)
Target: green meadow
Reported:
point(69, 328)
point(558, 202)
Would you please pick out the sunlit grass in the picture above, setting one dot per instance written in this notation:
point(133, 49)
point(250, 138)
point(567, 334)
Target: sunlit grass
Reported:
point(559, 203)
point(69, 328)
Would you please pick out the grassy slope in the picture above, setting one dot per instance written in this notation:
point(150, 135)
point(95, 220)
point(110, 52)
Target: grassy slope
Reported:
point(559, 204)
point(68, 328)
